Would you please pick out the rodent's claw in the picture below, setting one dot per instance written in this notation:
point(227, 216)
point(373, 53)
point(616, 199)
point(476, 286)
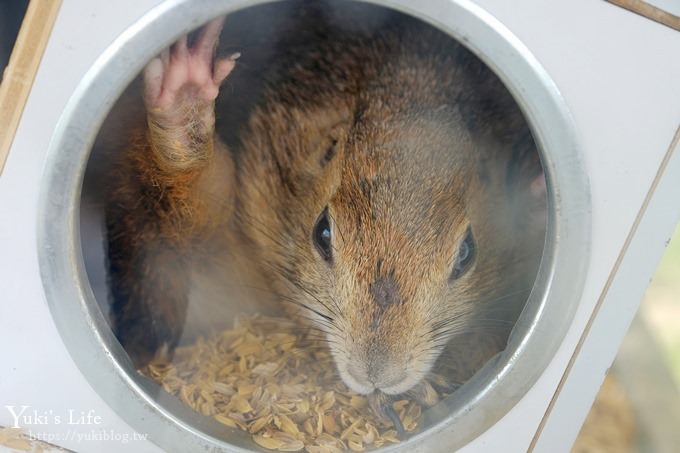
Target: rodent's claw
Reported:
point(381, 405)
point(442, 385)
point(223, 68)
point(394, 418)
point(206, 42)
point(153, 80)
point(425, 394)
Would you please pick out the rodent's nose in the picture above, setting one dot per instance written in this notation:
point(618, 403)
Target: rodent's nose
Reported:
point(357, 380)
point(388, 380)
point(377, 375)
point(356, 374)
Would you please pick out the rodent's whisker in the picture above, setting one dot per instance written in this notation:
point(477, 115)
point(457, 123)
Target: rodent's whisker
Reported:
point(262, 229)
point(309, 293)
point(324, 318)
point(510, 295)
point(337, 225)
point(449, 332)
point(330, 310)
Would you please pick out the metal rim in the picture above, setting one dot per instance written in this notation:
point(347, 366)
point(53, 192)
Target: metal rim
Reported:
point(477, 405)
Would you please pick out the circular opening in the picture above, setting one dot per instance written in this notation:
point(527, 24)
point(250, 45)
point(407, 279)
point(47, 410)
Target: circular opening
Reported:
point(74, 214)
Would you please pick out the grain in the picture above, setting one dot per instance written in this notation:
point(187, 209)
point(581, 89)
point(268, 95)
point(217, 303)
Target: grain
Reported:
point(267, 378)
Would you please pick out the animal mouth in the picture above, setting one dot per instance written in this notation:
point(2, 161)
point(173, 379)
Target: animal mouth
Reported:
point(354, 382)
point(380, 400)
point(403, 385)
point(367, 381)
point(366, 368)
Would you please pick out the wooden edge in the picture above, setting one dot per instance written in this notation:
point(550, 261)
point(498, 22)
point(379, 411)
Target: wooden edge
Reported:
point(650, 12)
point(18, 439)
point(22, 68)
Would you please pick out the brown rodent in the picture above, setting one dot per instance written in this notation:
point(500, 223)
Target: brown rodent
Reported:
point(380, 181)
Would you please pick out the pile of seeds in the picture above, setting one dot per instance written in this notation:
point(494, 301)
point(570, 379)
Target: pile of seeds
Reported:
point(267, 378)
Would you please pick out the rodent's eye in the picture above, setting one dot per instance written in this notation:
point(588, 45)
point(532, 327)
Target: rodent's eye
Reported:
point(466, 256)
point(322, 236)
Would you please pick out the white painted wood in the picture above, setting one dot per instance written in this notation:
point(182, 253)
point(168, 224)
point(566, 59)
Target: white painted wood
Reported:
point(37, 370)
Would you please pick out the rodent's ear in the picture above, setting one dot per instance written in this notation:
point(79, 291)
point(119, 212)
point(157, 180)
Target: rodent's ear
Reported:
point(326, 138)
point(525, 179)
point(538, 208)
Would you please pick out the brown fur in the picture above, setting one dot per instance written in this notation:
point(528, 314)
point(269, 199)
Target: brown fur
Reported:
point(407, 140)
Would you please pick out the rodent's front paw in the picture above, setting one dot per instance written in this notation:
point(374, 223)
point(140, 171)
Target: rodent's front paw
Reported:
point(186, 80)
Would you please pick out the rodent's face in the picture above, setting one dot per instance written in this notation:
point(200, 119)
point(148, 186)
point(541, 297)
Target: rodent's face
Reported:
point(395, 251)
point(381, 250)
point(396, 295)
